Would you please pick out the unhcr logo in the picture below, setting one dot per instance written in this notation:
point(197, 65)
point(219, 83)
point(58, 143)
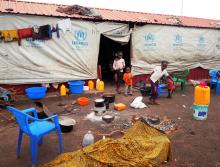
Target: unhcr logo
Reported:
point(80, 37)
point(149, 40)
point(201, 42)
point(218, 43)
point(178, 42)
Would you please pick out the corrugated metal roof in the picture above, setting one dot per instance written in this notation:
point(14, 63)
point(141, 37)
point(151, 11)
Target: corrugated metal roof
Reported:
point(21, 7)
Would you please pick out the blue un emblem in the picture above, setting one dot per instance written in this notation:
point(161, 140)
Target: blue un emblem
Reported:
point(80, 35)
point(178, 39)
point(201, 39)
point(149, 37)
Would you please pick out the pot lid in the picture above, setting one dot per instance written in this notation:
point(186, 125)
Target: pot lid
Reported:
point(65, 121)
point(99, 100)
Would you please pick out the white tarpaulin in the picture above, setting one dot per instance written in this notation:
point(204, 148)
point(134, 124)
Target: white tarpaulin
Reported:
point(181, 47)
point(119, 34)
point(73, 56)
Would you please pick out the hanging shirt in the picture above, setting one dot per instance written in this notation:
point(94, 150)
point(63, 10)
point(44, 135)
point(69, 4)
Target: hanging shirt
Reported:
point(24, 33)
point(56, 29)
point(43, 32)
point(127, 78)
point(158, 73)
point(65, 25)
point(9, 35)
point(119, 64)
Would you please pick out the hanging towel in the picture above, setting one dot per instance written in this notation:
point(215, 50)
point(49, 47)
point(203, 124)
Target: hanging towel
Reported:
point(56, 29)
point(9, 35)
point(42, 32)
point(24, 33)
point(65, 25)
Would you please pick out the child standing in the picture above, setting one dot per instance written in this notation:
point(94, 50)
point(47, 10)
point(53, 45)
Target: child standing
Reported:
point(118, 66)
point(170, 86)
point(127, 77)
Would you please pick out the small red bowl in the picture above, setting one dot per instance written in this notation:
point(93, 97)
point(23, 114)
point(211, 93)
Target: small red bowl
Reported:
point(83, 101)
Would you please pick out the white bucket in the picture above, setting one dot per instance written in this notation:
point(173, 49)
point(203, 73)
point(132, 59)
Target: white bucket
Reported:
point(200, 112)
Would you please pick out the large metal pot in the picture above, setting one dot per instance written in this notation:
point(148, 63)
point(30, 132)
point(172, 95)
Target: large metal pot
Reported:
point(66, 124)
point(99, 103)
point(109, 97)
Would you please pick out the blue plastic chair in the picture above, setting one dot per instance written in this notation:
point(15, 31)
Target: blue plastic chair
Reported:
point(161, 90)
point(213, 75)
point(35, 128)
point(217, 90)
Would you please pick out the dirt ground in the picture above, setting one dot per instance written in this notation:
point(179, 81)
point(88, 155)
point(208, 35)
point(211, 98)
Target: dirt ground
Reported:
point(194, 143)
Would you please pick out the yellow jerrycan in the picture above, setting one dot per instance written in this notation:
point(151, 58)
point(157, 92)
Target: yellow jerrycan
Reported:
point(202, 94)
point(100, 86)
point(63, 90)
point(91, 85)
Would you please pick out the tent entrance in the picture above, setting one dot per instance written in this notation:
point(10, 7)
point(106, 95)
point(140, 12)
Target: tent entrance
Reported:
point(107, 50)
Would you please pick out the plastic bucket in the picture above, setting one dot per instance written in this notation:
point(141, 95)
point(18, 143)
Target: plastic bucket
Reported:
point(76, 87)
point(200, 112)
point(36, 92)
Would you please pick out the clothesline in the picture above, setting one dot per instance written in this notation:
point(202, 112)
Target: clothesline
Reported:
point(43, 32)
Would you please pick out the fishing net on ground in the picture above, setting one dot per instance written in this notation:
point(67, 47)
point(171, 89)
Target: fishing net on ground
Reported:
point(141, 146)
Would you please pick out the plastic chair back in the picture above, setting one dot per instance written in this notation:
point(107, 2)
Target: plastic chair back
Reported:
point(213, 74)
point(186, 72)
point(20, 117)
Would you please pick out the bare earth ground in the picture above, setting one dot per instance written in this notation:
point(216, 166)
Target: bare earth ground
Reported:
point(194, 143)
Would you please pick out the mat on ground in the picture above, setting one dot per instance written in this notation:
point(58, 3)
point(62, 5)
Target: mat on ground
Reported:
point(141, 145)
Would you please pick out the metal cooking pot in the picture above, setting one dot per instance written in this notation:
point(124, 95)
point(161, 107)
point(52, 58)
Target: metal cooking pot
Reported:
point(109, 97)
point(99, 103)
point(66, 124)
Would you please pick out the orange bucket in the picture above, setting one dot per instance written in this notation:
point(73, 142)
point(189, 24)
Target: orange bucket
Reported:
point(83, 101)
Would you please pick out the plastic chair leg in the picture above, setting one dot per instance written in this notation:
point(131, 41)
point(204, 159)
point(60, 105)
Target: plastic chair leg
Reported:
point(184, 87)
point(34, 150)
point(19, 143)
point(41, 141)
point(60, 139)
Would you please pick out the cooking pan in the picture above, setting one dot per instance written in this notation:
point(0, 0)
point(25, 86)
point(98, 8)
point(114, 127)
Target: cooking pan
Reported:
point(109, 97)
point(66, 124)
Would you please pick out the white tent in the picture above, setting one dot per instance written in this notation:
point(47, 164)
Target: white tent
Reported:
point(180, 46)
point(69, 57)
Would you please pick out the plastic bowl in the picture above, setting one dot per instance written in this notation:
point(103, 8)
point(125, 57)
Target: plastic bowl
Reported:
point(83, 101)
point(76, 87)
point(36, 92)
point(119, 106)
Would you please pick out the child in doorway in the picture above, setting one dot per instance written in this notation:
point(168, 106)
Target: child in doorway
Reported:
point(157, 73)
point(127, 77)
point(118, 66)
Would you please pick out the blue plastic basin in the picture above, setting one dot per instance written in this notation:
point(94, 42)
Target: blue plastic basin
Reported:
point(76, 87)
point(36, 92)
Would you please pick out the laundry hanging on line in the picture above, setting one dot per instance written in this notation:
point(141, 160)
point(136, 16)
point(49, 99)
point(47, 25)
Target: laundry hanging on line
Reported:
point(9, 35)
point(24, 33)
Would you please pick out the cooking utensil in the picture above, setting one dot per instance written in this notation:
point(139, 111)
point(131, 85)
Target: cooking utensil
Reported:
point(99, 103)
point(108, 118)
point(66, 124)
point(110, 97)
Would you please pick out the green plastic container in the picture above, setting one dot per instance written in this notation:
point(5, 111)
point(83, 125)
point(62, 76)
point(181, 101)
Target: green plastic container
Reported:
point(200, 112)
